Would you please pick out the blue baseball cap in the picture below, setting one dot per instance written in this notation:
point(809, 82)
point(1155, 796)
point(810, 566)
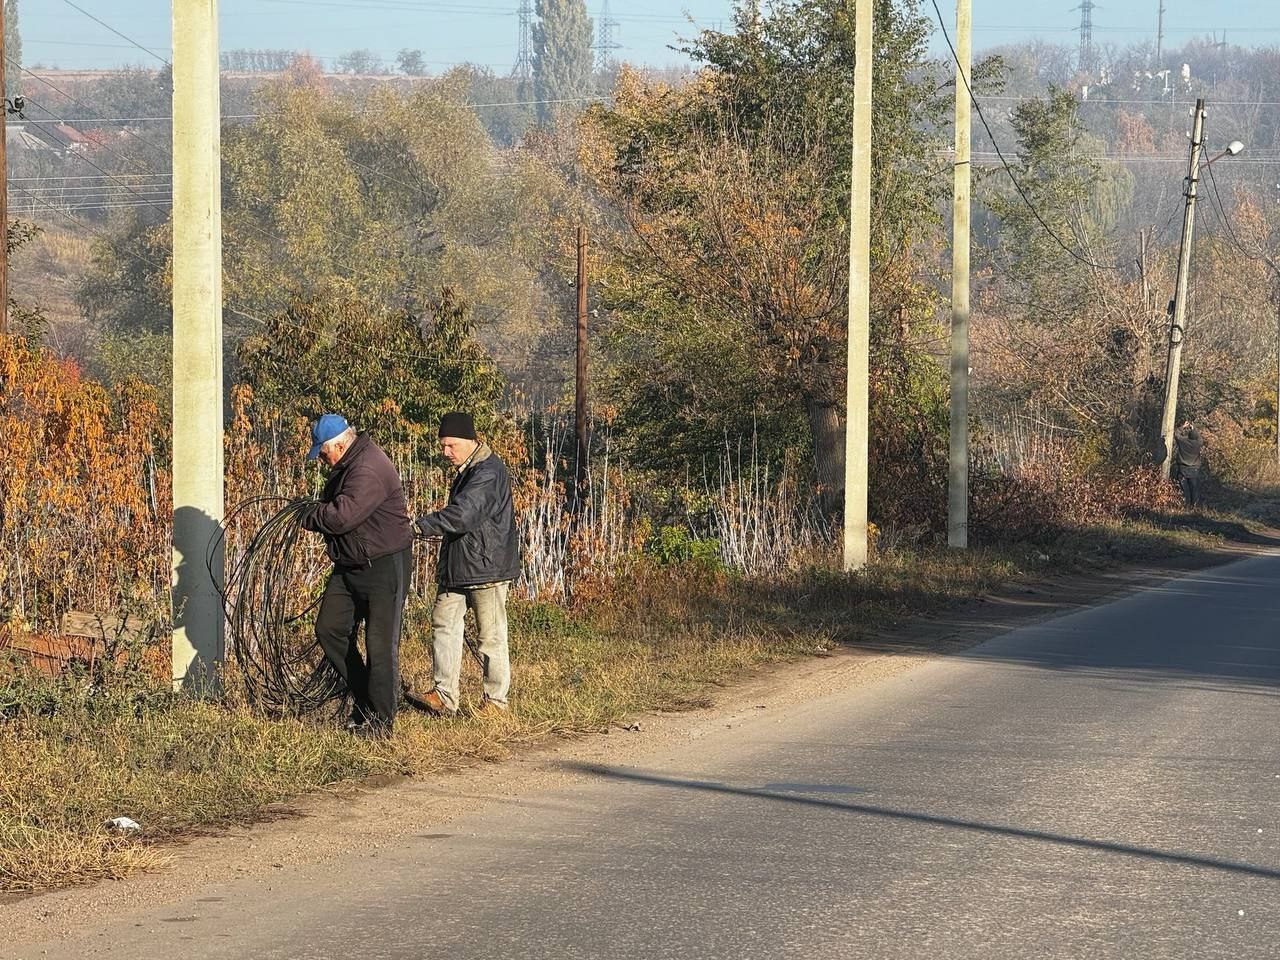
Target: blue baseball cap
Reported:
point(325, 429)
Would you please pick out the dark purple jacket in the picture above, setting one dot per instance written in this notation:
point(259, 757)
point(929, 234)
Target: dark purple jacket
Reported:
point(362, 512)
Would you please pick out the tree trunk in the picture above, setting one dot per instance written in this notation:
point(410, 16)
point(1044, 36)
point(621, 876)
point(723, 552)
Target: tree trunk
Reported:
point(827, 426)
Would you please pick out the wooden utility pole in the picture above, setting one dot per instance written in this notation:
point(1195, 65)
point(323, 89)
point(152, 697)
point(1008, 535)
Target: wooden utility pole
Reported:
point(958, 480)
point(197, 346)
point(4, 189)
point(580, 384)
point(856, 386)
point(1177, 331)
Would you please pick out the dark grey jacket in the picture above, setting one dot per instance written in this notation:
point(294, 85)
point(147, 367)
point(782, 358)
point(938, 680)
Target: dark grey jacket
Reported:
point(481, 544)
point(1188, 450)
point(362, 512)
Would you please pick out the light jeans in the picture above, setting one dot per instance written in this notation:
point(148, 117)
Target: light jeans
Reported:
point(490, 605)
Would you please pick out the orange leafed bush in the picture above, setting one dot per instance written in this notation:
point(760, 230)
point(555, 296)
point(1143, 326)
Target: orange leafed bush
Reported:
point(82, 491)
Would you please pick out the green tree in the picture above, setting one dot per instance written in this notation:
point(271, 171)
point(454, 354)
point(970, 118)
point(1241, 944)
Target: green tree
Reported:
point(411, 62)
point(562, 58)
point(386, 199)
point(1075, 336)
point(388, 371)
point(735, 193)
point(362, 62)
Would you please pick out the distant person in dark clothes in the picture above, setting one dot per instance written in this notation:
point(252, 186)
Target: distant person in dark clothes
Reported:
point(479, 558)
point(1188, 461)
point(365, 522)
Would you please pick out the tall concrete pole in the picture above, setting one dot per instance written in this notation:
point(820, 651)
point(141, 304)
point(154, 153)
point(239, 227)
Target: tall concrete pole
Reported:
point(1177, 332)
point(856, 388)
point(580, 378)
point(197, 345)
point(958, 479)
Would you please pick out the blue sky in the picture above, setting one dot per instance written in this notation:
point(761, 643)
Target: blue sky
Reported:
point(484, 31)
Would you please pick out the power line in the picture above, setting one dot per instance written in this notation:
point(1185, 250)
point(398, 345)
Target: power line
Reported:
point(245, 314)
point(1164, 102)
point(62, 93)
point(1231, 230)
point(79, 155)
point(73, 121)
point(1005, 163)
point(122, 36)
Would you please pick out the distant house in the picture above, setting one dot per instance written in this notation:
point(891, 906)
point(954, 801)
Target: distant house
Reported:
point(75, 140)
point(18, 136)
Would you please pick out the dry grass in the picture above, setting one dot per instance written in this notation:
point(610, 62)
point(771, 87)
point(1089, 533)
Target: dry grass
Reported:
point(176, 766)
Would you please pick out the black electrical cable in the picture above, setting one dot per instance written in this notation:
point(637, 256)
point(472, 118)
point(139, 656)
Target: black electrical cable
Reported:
point(269, 598)
point(1005, 163)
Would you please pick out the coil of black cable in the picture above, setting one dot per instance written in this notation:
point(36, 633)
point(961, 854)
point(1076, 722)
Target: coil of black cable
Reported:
point(272, 590)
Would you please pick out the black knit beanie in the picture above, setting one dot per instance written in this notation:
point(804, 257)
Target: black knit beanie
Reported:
point(458, 425)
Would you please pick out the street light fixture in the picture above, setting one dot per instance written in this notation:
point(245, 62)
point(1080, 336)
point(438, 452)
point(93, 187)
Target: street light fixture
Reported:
point(1234, 147)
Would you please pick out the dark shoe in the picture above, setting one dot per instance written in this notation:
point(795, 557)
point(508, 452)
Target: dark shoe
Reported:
point(358, 718)
point(430, 702)
point(371, 730)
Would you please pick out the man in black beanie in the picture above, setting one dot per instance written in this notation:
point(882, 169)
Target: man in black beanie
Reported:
point(479, 558)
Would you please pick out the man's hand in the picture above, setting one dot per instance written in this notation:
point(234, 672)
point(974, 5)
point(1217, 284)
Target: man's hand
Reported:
point(423, 532)
point(307, 516)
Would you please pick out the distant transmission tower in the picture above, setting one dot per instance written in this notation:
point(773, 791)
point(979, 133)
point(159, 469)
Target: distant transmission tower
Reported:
point(1160, 35)
point(607, 42)
point(1086, 33)
point(523, 70)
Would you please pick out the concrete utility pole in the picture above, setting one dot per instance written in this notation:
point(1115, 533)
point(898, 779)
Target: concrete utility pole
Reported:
point(958, 481)
point(197, 345)
point(580, 383)
point(1177, 332)
point(856, 388)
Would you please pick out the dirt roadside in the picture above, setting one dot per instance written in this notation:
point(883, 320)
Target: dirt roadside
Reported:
point(353, 819)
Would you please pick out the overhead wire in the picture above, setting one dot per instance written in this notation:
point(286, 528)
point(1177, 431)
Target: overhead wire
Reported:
point(122, 36)
point(351, 269)
point(1259, 254)
point(963, 74)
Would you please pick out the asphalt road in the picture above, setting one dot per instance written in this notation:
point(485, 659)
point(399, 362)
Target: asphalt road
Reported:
point(1104, 784)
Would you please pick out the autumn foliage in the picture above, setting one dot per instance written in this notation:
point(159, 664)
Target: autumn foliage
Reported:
point(83, 494)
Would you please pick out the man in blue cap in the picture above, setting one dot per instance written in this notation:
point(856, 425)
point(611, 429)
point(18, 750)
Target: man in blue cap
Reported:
point(364, 519)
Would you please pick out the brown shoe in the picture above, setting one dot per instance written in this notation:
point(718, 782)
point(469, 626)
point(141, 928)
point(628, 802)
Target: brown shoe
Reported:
point(430, 702)
point(490, 708)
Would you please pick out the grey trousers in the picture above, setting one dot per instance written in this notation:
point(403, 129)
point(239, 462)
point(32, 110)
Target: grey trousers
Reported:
point(490, 605)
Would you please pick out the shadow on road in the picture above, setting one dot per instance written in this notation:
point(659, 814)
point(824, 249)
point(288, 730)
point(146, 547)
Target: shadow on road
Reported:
point(976, 826)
